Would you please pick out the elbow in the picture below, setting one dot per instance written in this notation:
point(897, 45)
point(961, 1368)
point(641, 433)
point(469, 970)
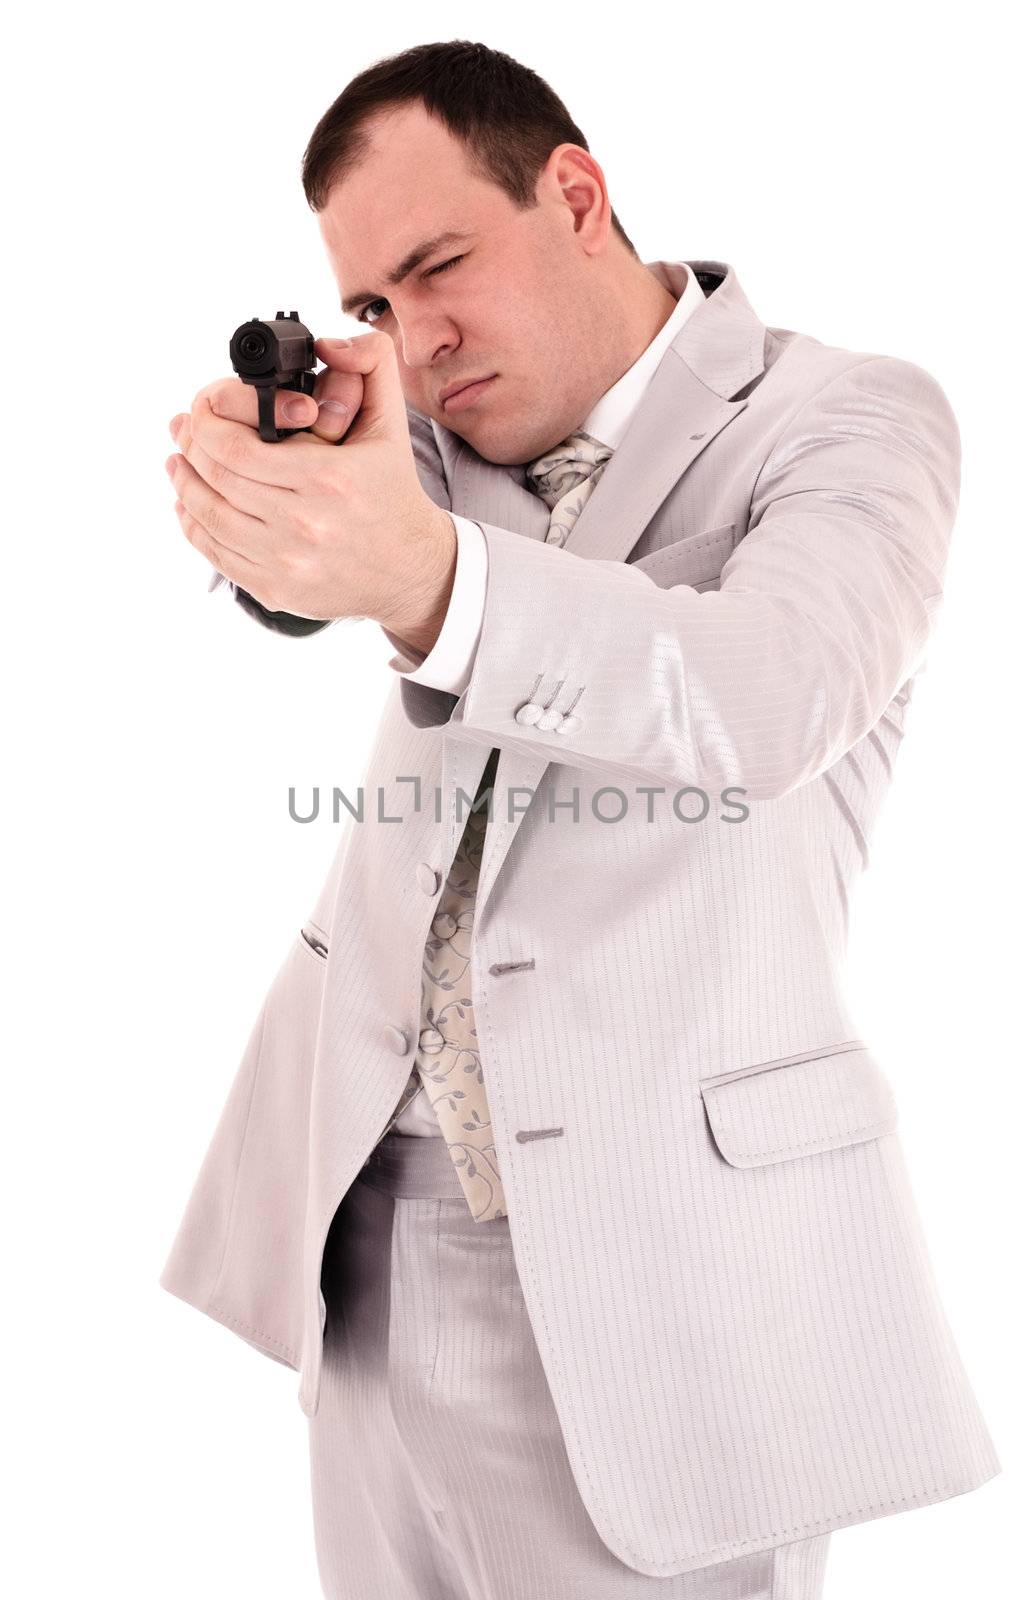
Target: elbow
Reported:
point(761, 771)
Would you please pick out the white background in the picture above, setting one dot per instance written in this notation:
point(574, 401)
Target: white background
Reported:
point(857, 167)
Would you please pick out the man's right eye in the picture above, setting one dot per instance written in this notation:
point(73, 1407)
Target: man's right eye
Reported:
point(362, 315)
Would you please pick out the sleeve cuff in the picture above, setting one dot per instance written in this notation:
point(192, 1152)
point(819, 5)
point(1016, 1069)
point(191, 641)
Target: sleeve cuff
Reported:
point(448, 665)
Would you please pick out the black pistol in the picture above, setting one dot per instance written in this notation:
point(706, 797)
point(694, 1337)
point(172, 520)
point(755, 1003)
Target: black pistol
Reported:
point(274, 355)
point(278, 354)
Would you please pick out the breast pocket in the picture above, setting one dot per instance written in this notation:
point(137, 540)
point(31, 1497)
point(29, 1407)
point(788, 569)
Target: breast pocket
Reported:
point(697, 560)
point(807, 1104)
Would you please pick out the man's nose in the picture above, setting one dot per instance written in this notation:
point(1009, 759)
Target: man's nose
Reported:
point(423, 343)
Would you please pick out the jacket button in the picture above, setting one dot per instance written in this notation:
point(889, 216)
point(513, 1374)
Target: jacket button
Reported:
point(428, 877)
point(529, 713)
point(396, 1038)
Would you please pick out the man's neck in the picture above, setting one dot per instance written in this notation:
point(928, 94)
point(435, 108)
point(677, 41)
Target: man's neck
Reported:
point(644, 306)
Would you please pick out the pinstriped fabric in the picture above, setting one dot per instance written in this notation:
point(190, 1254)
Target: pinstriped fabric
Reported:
point(447, 1052)
point(438, 1467)
point(725, 1275)
point(823, 611)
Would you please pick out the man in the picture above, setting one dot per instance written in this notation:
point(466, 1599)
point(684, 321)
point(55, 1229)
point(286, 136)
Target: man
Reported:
point(632, 1296)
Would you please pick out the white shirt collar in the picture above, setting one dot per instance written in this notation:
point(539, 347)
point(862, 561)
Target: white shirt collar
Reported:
point(610, 417)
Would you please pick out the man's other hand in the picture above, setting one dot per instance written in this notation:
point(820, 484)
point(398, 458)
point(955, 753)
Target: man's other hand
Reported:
point(318, 532)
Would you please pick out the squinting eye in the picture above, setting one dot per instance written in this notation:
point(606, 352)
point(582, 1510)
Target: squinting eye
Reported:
point(362, 315)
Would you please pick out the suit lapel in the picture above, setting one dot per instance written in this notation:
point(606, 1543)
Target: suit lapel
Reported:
point(487, 492)
point(717, 352)
point(677, 419)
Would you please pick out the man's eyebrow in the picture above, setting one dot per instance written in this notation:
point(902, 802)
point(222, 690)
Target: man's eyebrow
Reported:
point(414, 258)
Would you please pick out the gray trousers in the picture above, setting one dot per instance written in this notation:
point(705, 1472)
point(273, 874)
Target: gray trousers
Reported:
point(438, 1468)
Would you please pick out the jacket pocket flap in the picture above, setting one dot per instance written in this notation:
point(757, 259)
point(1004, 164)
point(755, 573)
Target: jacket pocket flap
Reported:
point(799, 1108)
point(699, 558)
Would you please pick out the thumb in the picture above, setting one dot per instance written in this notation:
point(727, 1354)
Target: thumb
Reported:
point(383, 412)
point(327, 413)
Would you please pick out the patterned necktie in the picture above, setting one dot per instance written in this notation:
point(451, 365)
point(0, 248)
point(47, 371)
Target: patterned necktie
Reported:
point(447, 1061)
point(565, 478)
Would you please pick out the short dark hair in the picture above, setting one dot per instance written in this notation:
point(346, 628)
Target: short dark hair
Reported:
point(507, 117)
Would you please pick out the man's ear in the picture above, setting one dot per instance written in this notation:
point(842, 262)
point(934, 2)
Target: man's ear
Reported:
point(578, 182)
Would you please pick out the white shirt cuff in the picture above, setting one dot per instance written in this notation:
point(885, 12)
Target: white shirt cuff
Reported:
point(448, 664)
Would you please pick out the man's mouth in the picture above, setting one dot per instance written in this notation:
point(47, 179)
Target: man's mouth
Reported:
point(457, 399)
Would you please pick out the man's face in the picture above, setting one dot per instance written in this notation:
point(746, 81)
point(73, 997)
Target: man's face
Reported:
point(513, 299)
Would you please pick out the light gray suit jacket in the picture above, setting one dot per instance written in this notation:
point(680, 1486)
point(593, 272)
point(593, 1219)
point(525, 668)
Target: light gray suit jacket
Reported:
point(708, 1201)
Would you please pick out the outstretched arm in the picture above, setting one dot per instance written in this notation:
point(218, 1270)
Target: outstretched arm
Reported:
point(824, 612)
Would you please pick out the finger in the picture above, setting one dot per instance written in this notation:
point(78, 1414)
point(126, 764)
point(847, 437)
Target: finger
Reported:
point(339, 396)
point(383, 409)
point(230, 563)
point(232, 530)
point(244, 452)
point(244, 493)
point(236, 401)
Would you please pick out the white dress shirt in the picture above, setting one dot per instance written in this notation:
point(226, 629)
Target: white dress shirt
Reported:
point(449, 663)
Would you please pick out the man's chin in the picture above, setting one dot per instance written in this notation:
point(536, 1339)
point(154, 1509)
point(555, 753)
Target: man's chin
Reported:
point(492, 442)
